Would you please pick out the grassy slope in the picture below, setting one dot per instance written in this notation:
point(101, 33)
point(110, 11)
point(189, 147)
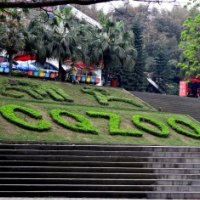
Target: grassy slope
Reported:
point(82, 103)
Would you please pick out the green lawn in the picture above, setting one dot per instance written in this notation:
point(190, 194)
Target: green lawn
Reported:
point(78, 102)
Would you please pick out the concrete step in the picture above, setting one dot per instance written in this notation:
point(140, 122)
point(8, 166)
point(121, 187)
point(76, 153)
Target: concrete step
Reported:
point(29, 152)
point(104, 175)
point(100, 181)
point(99, 171)
point(100, 158)
point(96, 187)
point(98, 164)
point(104, 194)
point(97, 147)
point(27, 169)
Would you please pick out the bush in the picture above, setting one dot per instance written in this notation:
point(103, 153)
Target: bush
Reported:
point(64, 95)
point(173, 123)
point(125, 100)
point(54, 95)
point(114, 124)
point(137, 119)
point(103, 98)
point(8, 112)
point(82, 125)
point(40, 91)
point(13, 94)
point(27, 90)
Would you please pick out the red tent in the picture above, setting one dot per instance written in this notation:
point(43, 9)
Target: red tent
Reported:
point(81, 65)
point(24, 58)
point(195, 80)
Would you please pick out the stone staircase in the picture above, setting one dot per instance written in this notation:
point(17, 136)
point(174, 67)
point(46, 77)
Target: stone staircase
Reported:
point(99, 171)
point(172, 103)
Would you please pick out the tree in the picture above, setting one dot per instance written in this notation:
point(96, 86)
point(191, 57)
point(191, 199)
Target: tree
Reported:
point(61, 37)
point(114, 45)
point(11, 35)
point(190, 44)
point(139, 80)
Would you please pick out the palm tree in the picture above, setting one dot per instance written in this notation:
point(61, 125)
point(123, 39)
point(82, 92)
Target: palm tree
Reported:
point(114, 45)
point(65, 38)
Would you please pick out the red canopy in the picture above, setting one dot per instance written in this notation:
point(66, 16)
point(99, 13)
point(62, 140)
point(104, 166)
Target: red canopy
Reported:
point(195, 80)
point(24, 58)
point(81, 65)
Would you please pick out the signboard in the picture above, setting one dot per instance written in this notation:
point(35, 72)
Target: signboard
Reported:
point(183, 88)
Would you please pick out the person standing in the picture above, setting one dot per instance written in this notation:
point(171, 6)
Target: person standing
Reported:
point(73, 72)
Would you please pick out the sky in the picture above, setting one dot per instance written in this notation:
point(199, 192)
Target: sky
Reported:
point(111, 5)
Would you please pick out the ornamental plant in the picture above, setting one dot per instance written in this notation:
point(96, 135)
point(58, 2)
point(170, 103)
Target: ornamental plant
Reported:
point(8, 112)
point(64, 95)
point(58, 95)
point(114, 124)
point(4, 92)
point(125, 100)
point(163, 129)
point(22, 89)
point(175, 123)
point(82, 124)
point(103, 97)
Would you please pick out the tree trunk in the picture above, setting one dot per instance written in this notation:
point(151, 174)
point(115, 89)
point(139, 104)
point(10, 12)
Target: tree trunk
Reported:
point(10, 61)
point(61, 71)
point(106, 67)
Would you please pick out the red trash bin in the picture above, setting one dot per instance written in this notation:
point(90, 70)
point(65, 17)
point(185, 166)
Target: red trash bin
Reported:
point(114, 83)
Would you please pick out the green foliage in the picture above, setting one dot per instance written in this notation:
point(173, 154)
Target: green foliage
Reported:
point(55, 96)
point(114, 124)
point(12, 37)
point(138, 119)
point(64, 95)
point(103, 97)
point(190, 44)
point(175, 124)
point(138, 76)
point(4, 92)
point(21, 89)
point(34, 90)
point(125, 100)
point(82, 124)
point(8, 112)
point(40, 91)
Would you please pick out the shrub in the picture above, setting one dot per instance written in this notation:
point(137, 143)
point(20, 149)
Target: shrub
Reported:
point(173, 123)
point(125, 100)
point(27, 90)
point(137, 119)
point(26, 83)
point(54, 95)
point(114, 124)
point(40, 91)
point(13, 94)
point(8, 112)
point(102, 96)
point(82, 125)
point(64, 95)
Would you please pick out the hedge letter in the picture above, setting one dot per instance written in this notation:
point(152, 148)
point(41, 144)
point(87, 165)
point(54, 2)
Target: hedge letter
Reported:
point(8, 112)
point(164, 131)
point(114, 124)
point(173, 123)
point(82, 125)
